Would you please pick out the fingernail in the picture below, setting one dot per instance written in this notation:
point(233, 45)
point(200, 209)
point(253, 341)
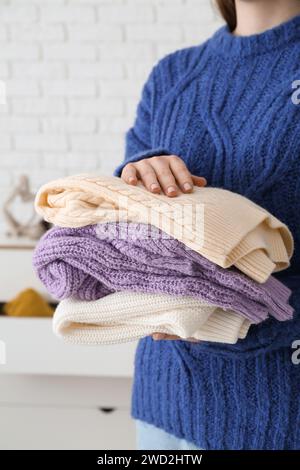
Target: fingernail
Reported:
point(171, 189)
point(131, 179)
point(154, 187)
point(187, 186)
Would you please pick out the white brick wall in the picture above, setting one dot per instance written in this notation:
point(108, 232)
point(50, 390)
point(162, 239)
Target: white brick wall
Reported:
point(74, 70)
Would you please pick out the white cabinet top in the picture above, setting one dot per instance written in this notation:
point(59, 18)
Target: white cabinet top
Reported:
point(32, 348)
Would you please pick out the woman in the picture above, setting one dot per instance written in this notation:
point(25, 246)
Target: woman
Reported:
point(222, 112)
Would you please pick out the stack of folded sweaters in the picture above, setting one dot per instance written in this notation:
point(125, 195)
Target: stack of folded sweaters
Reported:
point(127, 263)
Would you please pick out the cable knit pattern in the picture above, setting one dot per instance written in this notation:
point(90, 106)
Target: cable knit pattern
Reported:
point(225, 227)
point(90, 262)
point(225, 108)
point(128, 316)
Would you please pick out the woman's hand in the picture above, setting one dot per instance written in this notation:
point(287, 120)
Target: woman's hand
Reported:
point(161, 336)
point(167, 173)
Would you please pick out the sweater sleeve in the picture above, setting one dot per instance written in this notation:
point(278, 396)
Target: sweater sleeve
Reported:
point(265, 337)
point(138, 139)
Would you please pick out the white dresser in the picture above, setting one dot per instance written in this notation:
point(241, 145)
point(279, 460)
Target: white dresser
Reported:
point(54, 395)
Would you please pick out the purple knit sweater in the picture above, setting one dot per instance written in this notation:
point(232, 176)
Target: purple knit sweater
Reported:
point(91, 262)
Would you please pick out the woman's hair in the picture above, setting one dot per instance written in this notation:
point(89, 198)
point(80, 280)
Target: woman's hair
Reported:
point(228, 11)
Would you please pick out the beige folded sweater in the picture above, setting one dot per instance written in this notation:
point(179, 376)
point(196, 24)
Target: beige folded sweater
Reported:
point(129, 316)
point(225, 227)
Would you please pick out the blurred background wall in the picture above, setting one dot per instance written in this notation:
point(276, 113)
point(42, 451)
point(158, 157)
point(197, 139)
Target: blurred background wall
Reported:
point(74, 71)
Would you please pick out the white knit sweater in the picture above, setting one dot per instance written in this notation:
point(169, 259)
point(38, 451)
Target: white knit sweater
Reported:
point(128, 316)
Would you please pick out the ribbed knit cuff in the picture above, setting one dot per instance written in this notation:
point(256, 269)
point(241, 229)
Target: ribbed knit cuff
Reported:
point(257, 265)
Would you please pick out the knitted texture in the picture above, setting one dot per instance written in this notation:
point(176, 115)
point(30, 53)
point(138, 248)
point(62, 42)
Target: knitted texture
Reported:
point(225, 108)
point(225, 227)
point(218, 402)
point(128, 316)
point(90, 262)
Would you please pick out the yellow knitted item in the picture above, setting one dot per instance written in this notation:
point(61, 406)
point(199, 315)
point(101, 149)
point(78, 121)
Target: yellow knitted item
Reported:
point(224, 227)
point(28, 303)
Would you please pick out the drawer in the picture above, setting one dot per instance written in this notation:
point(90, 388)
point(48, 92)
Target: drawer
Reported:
point(37, 428)
point(81, 392)
point(32, 348)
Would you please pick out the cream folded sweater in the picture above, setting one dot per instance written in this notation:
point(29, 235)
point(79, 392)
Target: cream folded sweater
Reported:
point(129, 316)
point(225, 227)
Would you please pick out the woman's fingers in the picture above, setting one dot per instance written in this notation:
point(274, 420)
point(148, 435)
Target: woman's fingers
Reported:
point(199, 180)
point(165, 172)
point(163, 336)
point(181, 174)
point(148, 176)
point(160, 336)
point(165, 176)
point(129, 174)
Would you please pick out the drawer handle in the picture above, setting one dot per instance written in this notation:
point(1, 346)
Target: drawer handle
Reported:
point(107, 410)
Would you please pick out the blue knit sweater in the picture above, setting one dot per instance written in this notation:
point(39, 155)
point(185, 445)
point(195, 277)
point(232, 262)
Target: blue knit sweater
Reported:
point(225, 107)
